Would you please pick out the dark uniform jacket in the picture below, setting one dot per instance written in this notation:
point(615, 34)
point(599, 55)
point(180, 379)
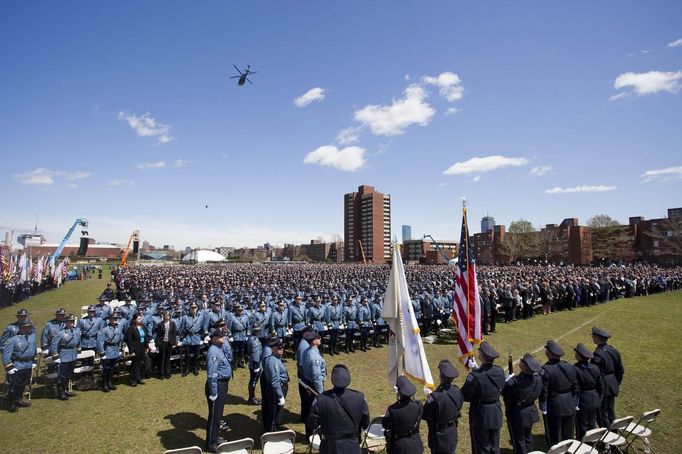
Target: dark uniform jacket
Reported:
point(559, 388)
point(339, 433)
point(482, 388)
point(401, 426)
point(589, 385)
point(441, 411)
point(520, 394)
point(607, 358)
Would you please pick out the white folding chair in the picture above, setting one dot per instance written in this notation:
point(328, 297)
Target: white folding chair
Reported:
point(373, 436)
point(561, 447)
point(84, 311)
point(243, 446)
point(613, 439)
point(80, 368)
point(584, 446)
point(641, 431)
point(188, 450)
point(281, 442)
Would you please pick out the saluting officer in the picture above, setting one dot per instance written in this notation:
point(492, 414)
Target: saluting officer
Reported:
point(590, 388)
point(608, 360)
point(18, 356)
point(482, 388)
point(520, 394)
point(274, 385)
point(254, 352)
point(442, 410)
point(559, 394)
point(218, 373)
point(64, 351)
point(341, 414)
point(314, 373)
point(109, 341)
point(402, 419)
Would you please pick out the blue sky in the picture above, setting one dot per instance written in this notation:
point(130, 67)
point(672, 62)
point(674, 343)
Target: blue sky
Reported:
point(124, 113)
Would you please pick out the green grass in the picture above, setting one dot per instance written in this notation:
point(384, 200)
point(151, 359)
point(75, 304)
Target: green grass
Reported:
point(170, 414)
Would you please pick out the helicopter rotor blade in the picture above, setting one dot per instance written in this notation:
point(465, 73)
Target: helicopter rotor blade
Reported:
point(235, 67)
point(235, 77)
point(253, 72)
point(249, 81)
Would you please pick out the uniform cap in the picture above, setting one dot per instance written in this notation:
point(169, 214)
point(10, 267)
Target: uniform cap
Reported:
point(115, 315)
point(600, 332)
point(488, 351)
point(102, 298)
point(91, 308)
point(532, 364)
point(22, 312)
point(583, 351)
point(554, 348)
point(340, 376)
point(194, 305)
point(60, 311)
point(220, 322)
point(274, 342)
point(447, 370)
point(311, 335)
point(217, 332)
point(70, 318)
point(405, 388)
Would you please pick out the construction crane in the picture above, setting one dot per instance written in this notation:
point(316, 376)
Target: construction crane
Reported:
point(440, 249)
point(83, 223)
point(362, 252)
point(135, 236)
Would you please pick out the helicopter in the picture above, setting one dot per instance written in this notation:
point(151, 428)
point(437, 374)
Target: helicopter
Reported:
point(243, 75)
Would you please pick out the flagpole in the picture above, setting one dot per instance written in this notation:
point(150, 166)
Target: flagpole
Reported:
point(396, 285)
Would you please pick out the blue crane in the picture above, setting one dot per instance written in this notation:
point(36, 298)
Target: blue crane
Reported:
point(440, 249)
point(58, 251)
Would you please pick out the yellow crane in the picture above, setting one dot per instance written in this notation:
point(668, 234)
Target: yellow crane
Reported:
point(135, 236)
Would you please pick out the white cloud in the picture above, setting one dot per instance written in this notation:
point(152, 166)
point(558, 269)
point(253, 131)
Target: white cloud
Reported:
point(348, 136)
point(151, 165)
point(39, 176)
point(485, 164)
point(662, 174)
point(618, 96)
point(146, 126)
point(540, 170)
point(476, 178)
point(393, 119)
point(181, 163)
point(451, 111)
point(349, 159)
point(72, 185)
point(676, 43)
point(118, 182)
point(648, 83)
point(584, 188)
point(77, 175)
point(312, 95)
point(406, 77)
point(449, 84)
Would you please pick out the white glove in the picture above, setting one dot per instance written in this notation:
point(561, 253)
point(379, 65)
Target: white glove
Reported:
point(509, 377)
point(281, 401)
point(438, 322)
point(427, 390)
point(57, 361)
point(103, 357)
point(255, 371)
point(230, 339)
point(180, 344)
point(544, 412)
point(207, 339)
point(577, 408)
point(472, 363)
point(213, 398)
point(11, 371)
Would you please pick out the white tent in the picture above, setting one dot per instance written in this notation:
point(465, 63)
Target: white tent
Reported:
point(201, 256)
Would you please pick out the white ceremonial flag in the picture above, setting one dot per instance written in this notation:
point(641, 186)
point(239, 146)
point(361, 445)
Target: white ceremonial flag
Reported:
point(23, 267)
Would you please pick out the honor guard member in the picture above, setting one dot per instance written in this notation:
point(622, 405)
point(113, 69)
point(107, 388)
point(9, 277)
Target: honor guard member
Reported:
point(89, 326)
point(218, 373)
point(314, 374)
point(279, 320)
point(254, 353)
point(559, 394)
point(590, 388)
point(520, 394)
point(350, 318)
point(275, 386)
point(340, 414)
point(333, 315)
point(128, 309)
point(364, 315)
point(178, 318)
point(212, 316)
point(64, 352)
point(239, 325)
point(102, 308)
point(193, 329)
point(402, 419)
point(442, 410)
point(109, 341)
point(297, 315)
point(49, 331)
point(482, 389)
point(17, 357)
point(609, 362)
point(13, 328)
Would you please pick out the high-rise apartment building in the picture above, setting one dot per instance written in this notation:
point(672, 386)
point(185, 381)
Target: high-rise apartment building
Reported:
point(367, 226)
point(407, 233)
point(487, 223)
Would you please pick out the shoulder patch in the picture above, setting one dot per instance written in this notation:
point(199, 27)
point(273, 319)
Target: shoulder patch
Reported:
point(470, 378)
point(429, 399)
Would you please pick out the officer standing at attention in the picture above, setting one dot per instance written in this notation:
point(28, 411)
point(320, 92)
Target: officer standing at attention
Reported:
point(442, 410)
point(609, 362)
point(275, 386)
point(218, 373)
point(303, 345)
point(482, 388)
point(559, 394)
point(364, 315)
point(402, 419)
point(590, 389)
point(520, 394)
point(191, 340)
point(314, 373)
point(254, 352)
point(109, 341)
point(51, 328)
point(341, 414)
point(17, 356)
point(333, 315)
point(13, 328)
point(297, 315)
point(89, 326)
point(239, 327)
point(64, 351)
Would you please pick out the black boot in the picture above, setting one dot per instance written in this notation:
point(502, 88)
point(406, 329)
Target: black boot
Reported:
point(110, 383)
point(103, 382)
point(196, 366)
point(61, 392)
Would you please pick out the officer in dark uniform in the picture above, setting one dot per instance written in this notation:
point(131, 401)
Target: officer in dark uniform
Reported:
point(340, 414)
point(590, 389)
point(218, 373)
point(520, 394)
point(18, 355)
point(402, 419)
point(254, 353)
point(609, 362)
point(559, 394)
point(442, 410)
point(482, 388)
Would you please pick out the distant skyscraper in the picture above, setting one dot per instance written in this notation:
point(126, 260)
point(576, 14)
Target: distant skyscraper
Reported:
point(487, 223)
point(407, 233)
point(367, 218)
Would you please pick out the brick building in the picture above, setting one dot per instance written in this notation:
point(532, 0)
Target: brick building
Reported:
point(367, 219)
point(425, 251)
point(104, 251)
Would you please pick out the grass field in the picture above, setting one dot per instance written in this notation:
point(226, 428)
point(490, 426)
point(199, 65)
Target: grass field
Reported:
point(171, 413)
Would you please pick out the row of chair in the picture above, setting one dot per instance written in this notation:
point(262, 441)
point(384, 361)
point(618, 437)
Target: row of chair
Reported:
point(282, 442)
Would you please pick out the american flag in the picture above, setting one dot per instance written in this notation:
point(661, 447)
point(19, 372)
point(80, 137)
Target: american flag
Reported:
point(467, 301)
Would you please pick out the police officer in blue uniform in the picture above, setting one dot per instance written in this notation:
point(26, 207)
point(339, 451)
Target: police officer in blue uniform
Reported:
point(275, 385)
point(314, 374)
point(303, 346)
point(89, 326)
point(297, 318)
point(364, 315)
point(590, 389)
point(109, 341)
point(350, 318)
point(380, 326)
point(333, 316)
point(482, 389)
point(520, 394)
point(50, 329)
point(607, 359)
point(239, 327)
point(261, 317)
point(64, 352)
point(559, 394)
point(193, 329)
point(279, 319)
point(402, 419)
point(442, 410)
point(13, 328)
point(315, 317)
point(18, 356)
point(218, 373)
point(254, 353)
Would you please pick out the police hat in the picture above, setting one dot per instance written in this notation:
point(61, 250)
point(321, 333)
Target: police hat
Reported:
point(217, 333)
point(447, 370)
point(194, 305)
point(24, 323)
point(102, 298)
point(554, 348)
point(600, 332)
point(298, 297)
point(335, 298)
point(22, 313)
point(532, 364)
point(488, 351)
point(274, 342)
point(310, 335)
point(60, 311)
point(91, 308)
point(220, 322)
point(405, 388)
point(340, 376)
point(583, 351)
point(70, 318)
point(216, 302)
point(115, 316)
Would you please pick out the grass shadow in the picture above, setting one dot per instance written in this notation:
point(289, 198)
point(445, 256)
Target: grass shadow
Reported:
point(181, 434)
